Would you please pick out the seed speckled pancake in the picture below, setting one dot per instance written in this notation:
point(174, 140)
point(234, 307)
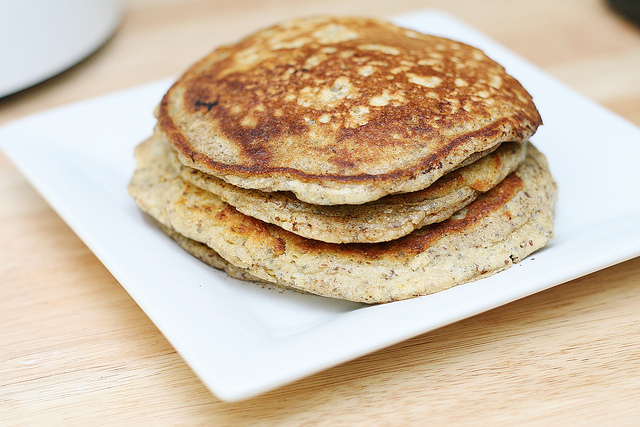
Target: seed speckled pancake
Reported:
point(499, 228)
point(342, 110)
point(382, 220)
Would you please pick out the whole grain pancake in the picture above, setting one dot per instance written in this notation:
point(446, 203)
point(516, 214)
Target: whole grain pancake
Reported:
point(384, 219)
point(207, 255)
point(499, 228)
point(342, 110)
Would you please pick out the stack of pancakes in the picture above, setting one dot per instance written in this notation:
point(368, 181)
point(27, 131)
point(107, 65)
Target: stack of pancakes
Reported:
point(349, 158)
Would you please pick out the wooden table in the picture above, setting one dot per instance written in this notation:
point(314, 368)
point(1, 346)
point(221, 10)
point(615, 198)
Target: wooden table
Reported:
point(75, 347)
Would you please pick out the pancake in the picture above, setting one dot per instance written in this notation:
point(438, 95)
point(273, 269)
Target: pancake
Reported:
point(207, 255)
point(498, 229)
point(342, 110)
point(385, 219)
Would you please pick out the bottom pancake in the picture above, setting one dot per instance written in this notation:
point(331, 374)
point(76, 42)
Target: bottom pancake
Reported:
point(499, 228)
point(207, 255)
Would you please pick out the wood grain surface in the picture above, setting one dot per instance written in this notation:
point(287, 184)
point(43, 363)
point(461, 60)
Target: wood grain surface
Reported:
point(76, 349)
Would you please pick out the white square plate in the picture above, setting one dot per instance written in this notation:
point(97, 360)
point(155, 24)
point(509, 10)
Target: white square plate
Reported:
point(243, 339)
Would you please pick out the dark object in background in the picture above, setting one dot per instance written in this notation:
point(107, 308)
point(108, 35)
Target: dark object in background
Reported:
point(629, 9)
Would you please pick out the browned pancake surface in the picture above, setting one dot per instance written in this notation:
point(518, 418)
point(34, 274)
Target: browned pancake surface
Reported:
point(342, 110)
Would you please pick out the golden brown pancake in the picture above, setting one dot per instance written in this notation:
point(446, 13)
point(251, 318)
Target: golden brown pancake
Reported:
point(342, 110)
point(499, 228)
point(381, 220)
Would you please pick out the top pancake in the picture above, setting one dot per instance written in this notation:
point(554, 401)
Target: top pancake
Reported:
point(342, 110)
